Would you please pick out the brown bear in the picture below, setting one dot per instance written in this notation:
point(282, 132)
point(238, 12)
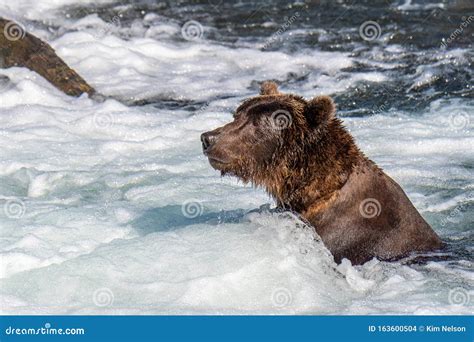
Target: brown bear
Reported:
point(303, 156)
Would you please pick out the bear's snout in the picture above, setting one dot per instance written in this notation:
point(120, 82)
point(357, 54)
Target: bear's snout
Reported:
point(207, 139)
point(213, 148)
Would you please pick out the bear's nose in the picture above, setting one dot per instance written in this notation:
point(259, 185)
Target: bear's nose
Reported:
point(207, 140)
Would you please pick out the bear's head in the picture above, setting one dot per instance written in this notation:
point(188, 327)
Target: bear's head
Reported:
point(271, 138)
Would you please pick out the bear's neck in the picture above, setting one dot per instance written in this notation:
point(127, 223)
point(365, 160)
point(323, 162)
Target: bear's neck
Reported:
point(319, 168)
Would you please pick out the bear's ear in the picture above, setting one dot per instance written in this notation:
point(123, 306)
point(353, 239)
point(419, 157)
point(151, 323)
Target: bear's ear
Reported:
point(319, 110)
point(269, 88)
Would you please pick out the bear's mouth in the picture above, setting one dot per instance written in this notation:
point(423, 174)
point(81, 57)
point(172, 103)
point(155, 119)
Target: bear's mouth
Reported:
point(216, 161)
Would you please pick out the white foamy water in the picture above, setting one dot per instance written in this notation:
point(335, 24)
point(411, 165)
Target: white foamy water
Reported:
point(112, 208)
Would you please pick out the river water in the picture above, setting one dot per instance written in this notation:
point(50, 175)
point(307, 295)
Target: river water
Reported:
point(110, 206)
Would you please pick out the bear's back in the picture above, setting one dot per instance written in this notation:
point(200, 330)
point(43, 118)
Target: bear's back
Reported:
point(370, 216)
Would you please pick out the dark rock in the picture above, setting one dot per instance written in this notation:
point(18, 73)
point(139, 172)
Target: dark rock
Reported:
point(22, 49)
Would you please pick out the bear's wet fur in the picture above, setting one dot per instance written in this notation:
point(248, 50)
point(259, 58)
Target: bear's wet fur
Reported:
point(304, 157)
